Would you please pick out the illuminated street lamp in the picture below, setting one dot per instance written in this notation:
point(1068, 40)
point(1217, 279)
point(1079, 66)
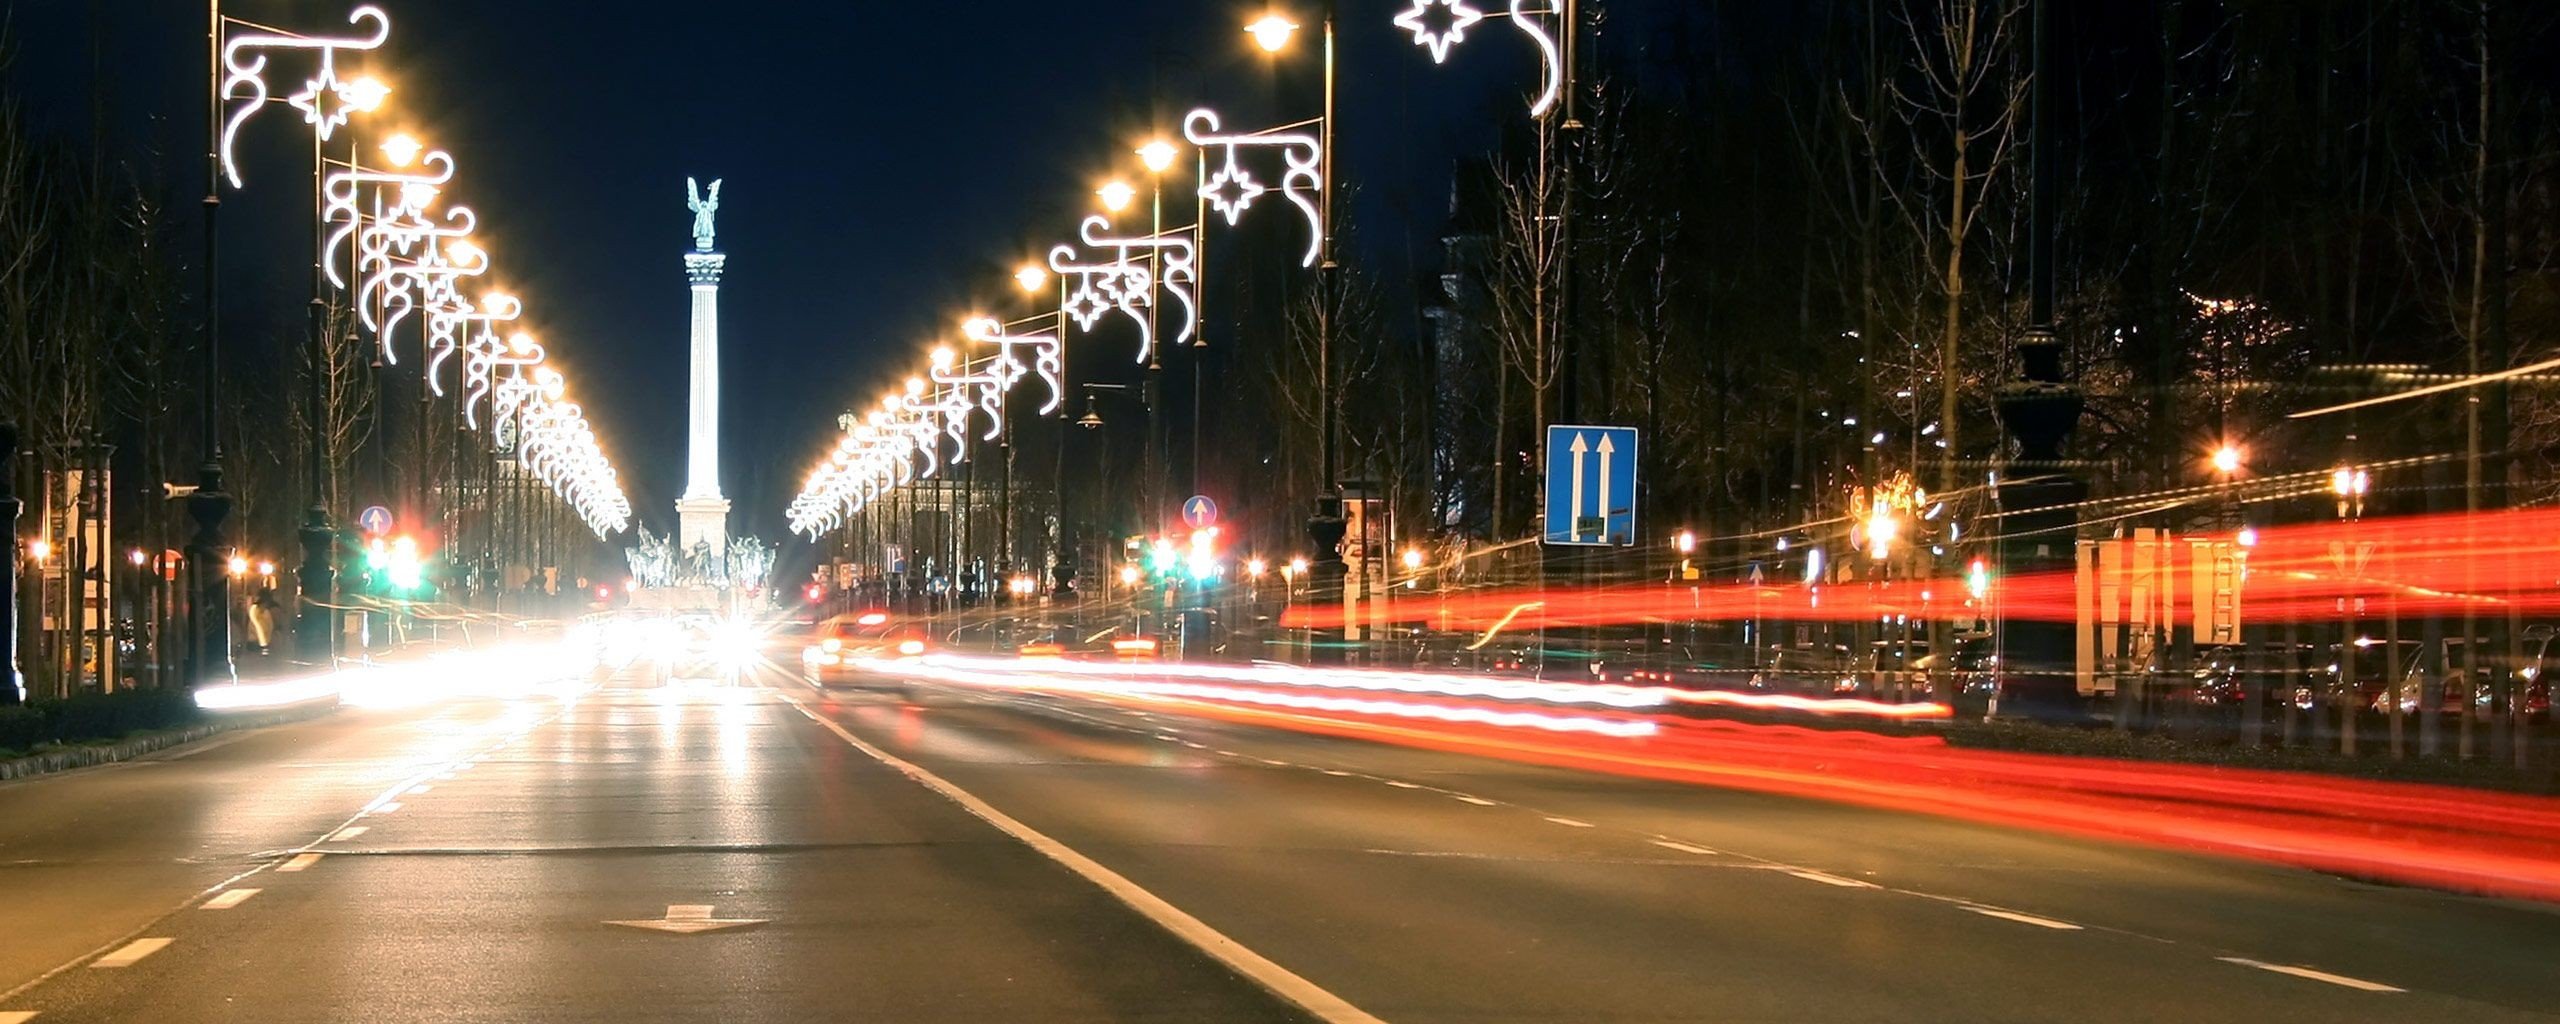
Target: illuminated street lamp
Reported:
point(39, 549)
point(2227, 459)
point(237, 566)
point(1684, 542)
point(1271, 32)
point(1031, 276)
point(1158, 155)
point(1116, 195)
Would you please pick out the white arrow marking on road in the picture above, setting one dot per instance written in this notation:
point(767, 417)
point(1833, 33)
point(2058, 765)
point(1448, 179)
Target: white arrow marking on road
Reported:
point(1607, 448)
point(691, 919)
point(1573, 511)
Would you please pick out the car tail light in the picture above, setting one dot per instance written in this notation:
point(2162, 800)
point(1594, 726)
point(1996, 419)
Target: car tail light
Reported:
point(911, 648)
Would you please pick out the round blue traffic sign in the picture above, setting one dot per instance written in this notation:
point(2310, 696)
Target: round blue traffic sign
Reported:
point(1200, 513)
point(375, 520)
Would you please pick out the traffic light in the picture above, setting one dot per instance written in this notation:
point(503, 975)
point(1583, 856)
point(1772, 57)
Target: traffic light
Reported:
point(1977, 577)
point(1204, 553)
point(1161, 559)
point(816, 592)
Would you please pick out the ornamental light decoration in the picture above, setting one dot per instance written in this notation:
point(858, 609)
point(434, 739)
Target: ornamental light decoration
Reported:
point(470, 327)
point(1171, 260)
point(406, 257)
point(1048, 354)
point(1448, 27)
point(1232, 189)
point(325, 100)
point(993, 378)
point(487, 352)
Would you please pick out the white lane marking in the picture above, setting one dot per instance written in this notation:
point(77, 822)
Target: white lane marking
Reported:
point(350, 832)
point(2011, 915)
point(449, 776)
point(1194, 745)
point(230, 898)
point(131, 953)
point(1401, 784)
point(299, 862)
point(1568, 822)
point(421, 788)
point(1845, 883)
point(2358, 984)
point(1476, 800)
point(1272, 763)
point(1261, 970)
point(386, 808)
point(1337, 773)
point(1684, 847)
point(1228, 753)
point(692, 919)
point(16, 1016)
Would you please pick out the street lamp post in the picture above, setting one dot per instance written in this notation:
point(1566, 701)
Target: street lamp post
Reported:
point(13, 689)
point(1326, 525)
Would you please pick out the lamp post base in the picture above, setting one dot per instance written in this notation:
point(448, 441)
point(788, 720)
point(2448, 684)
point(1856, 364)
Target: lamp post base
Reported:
point(208, 581)
point(313, 637)
point(1325, 573)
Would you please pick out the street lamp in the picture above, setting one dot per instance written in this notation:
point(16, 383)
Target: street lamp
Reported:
point(1158, 155)
point(1272, 32)
point(1116, 195)
point(2228, 459)
point(1031, 276)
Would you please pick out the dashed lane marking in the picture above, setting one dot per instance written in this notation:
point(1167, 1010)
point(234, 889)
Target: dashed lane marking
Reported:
point(2011, 915)
point(1568, 822)
point(349, 832)
point(2359, 984)
point(1826, 879)
point(421, 788)
point(1476, 800)
point(132, 952)
point(1684, 847)
point(16, 1016)
point(229, 898)
point(1280, 981)
point(386, 808)
point(1401, 784)
point(299, 862)
point(1337, 773)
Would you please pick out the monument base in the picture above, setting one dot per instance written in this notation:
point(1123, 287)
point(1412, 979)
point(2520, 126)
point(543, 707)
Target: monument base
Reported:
point(702, 521)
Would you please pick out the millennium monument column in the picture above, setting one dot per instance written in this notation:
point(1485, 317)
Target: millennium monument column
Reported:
point(702, 515)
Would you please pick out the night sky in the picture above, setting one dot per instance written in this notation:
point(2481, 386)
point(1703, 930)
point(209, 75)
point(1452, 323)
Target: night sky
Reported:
point(886, 166)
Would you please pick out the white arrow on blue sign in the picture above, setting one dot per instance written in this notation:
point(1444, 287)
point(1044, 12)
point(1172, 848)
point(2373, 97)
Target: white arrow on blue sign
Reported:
point(1591, 486)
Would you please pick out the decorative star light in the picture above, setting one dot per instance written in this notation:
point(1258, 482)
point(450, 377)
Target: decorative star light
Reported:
point(1528, 15)
point(486, 352)
point(1048, 355)
point(466, 326)
point(1231, 188)
point(1129, 282)
point(325, 100)
point(1438, 38)
point(992, 377)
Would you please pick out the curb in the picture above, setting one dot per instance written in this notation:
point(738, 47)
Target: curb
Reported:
point(72, 758)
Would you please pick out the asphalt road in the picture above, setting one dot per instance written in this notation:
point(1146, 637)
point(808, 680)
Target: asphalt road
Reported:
point(790, 855)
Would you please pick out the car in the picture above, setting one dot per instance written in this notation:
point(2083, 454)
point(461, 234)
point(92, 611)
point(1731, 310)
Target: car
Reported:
point(847, 650)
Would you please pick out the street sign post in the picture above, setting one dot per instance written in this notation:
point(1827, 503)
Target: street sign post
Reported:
point(1199, 513)
point(1591, 486)
point(375, 519)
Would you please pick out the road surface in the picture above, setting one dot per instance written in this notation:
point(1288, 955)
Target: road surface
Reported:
point(623, 851)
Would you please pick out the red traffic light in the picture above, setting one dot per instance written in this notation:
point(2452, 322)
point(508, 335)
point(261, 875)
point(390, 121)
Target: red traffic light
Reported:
point(817, 592)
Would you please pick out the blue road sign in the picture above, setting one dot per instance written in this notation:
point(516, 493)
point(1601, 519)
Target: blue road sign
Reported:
point(1200, 513)
point(1591, 486)
point(375, 519)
